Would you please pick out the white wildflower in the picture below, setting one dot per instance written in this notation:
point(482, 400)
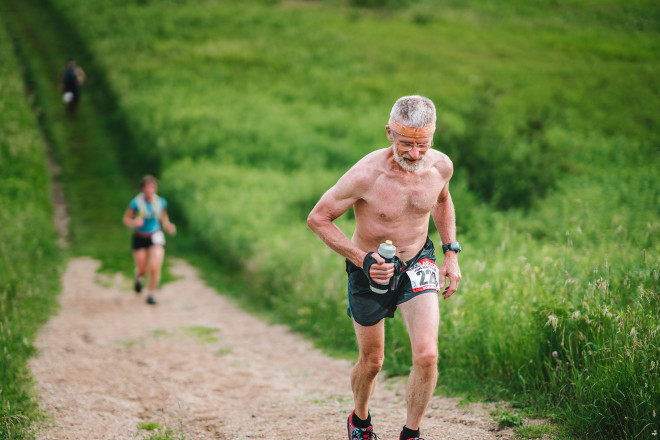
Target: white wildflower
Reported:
point(552, 320)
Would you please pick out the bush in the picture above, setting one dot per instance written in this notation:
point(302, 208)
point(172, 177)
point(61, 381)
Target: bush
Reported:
point(510, 170)
point(378, 3)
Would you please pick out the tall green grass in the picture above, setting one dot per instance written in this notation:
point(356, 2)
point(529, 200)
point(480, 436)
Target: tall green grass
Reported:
point(99, 177)
point(561, 318)
point(29, 258)
point(252, 109)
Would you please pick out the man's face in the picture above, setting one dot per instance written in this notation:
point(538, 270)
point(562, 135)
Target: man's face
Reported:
point(410, 152)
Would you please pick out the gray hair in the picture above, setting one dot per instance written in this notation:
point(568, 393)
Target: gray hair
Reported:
point(414, 111)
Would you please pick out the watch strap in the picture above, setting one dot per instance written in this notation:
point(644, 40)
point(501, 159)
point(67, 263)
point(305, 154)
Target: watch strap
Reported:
point(453, 246)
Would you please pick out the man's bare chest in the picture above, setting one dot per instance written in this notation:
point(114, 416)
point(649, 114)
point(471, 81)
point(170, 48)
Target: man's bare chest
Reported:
point(391, 198)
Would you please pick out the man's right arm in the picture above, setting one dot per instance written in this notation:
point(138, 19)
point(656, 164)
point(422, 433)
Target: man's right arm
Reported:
point(80, 75)
point(333, 204)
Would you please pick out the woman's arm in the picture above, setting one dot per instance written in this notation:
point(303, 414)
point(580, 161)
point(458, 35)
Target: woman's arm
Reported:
point(167, 225)
point(130, 221)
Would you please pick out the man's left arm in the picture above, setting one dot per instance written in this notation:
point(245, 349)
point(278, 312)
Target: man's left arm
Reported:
point(80, 75)
point(444, 218)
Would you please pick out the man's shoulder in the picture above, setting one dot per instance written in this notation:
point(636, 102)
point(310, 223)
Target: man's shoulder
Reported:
point(375, 155)
point(370, 165)
point(361, 176)
point(441, 162)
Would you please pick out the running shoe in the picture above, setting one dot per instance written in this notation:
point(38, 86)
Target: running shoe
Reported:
point(355, 433)
point(138, 285)
point(151, 300)
point(411, 438)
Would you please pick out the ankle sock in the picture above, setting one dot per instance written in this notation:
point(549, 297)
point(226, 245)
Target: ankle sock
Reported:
point(408, 433)
point(359, 423)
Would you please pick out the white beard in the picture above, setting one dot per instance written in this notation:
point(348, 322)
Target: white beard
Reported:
point(401, 160)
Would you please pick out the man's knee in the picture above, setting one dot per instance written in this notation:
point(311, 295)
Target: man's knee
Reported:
point(373, 363)
point(426, 358)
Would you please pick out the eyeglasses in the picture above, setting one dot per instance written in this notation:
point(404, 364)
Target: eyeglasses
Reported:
point(406, 146)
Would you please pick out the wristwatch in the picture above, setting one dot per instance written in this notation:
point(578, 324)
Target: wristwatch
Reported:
point(454, 246)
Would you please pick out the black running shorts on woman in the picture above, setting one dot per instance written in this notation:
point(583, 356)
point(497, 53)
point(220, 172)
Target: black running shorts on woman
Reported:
point(368, 308)
point(139, 241)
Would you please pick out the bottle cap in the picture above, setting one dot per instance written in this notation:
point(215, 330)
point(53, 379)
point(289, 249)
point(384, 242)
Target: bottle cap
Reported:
point(387, 249)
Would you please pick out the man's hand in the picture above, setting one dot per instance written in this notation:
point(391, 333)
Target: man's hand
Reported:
point(381, 272)
point(450, 269)
point(138, 222)
point(170, 228)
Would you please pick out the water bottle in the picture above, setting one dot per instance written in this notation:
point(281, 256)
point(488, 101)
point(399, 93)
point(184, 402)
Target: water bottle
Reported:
point(387, 251)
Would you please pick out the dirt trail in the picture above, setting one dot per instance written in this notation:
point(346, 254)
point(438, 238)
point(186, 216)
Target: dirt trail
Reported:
point(202, 367)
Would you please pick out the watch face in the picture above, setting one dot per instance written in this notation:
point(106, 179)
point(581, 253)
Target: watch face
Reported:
point(452, 247)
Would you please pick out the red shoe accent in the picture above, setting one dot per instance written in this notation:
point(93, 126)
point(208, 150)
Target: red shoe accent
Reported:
point(355, 433)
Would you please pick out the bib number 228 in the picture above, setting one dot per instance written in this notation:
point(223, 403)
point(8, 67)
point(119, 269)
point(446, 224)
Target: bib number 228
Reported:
point(424, 275)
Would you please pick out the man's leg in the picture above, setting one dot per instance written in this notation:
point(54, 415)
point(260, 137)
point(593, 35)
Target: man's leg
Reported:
point(421, 315)
point(371, 341)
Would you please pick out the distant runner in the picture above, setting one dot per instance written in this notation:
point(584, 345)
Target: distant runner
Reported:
point(71, 78)
point(145, 214)
point(393, 191)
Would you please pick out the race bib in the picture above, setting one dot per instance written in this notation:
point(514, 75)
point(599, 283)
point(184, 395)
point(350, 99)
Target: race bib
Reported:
point(158, 238)
point(424, 275)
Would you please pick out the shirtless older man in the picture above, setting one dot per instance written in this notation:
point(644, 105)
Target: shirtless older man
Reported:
point(393, 191)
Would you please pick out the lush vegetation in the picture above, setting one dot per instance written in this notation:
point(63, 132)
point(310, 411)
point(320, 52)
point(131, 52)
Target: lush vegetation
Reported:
point(250, 110)
point(29, 258)
point(96, 191)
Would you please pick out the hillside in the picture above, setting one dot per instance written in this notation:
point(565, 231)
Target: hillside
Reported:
point(249, 110)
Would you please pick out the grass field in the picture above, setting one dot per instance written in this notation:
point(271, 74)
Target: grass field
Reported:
point(29, 258)
point(249, 110)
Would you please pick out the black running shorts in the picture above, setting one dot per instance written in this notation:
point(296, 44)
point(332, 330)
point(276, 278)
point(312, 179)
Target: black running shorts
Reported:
point(368, 308)
point(140, 241)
